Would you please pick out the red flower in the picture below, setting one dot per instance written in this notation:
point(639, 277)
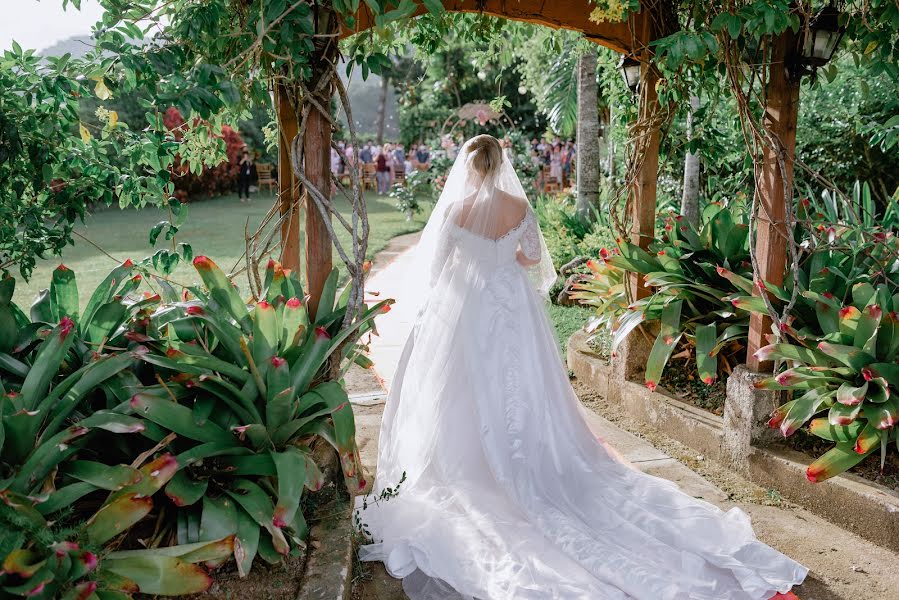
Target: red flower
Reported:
point(65, 326)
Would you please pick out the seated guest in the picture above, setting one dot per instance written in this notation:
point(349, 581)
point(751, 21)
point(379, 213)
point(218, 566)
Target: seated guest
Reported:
point(423, 156)
point(365, 154)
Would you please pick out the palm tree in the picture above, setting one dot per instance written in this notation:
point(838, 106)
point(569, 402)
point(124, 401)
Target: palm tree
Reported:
point(382, 105)
point(689, 204)
point(588, 153)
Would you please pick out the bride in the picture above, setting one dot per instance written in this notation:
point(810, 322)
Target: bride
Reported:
point(507, 494)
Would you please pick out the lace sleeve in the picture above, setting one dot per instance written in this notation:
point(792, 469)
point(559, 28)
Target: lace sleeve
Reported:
point(530, 238)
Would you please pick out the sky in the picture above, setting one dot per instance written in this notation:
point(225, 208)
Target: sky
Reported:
point(41, 24)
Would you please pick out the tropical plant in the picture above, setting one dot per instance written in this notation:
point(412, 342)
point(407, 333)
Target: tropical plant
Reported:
point(567, 235)
point(603, 289)
point(695, 276)
point(240, 394)
point(408, 195)
point(52, 377)
point(841, 347)
point(851, 372)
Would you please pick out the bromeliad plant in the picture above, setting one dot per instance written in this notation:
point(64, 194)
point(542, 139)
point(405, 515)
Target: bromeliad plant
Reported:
point(52, 379)
point(242, 392)
point(842, 349)
point(693, 275)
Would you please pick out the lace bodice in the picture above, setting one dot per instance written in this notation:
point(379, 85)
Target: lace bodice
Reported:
point(489, 253)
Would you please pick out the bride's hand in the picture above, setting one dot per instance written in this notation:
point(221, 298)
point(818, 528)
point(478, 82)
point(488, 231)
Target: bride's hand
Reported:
point(524, 261)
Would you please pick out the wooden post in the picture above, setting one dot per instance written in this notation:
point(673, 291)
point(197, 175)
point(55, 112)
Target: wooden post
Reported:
point(644, 190)
point(288, 195)
point(775, 186)
point(317, 152)
point(317, 148)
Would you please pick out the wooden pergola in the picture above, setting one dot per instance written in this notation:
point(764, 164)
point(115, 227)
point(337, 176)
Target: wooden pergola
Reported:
point(631, 37)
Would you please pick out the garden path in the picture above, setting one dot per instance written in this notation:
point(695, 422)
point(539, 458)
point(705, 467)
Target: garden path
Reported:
point(842, 565)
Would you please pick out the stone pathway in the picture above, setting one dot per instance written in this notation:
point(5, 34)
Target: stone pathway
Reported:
point(842, 565)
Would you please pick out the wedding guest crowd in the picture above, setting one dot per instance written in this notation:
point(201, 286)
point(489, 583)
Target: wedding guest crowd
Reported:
point(388, 161)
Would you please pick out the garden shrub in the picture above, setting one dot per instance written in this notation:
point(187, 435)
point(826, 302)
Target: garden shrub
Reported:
point(209, 181)
point(838, 349)
point(183, 420)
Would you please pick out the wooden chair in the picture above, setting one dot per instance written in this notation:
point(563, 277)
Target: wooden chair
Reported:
point(369, 177)
point(399, 176)
point(550, 183)
point(264, 171)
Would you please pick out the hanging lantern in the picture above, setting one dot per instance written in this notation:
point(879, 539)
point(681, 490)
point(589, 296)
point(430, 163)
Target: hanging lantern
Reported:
point(822, 37)
point(630, 69)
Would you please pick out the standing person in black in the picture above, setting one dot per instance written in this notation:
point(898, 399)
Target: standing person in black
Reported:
point(244, 176)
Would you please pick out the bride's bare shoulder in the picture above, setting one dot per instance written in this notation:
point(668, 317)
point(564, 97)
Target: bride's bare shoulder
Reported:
point(513, 205)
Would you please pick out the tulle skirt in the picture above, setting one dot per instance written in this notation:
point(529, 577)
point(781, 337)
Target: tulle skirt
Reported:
point(509, 495)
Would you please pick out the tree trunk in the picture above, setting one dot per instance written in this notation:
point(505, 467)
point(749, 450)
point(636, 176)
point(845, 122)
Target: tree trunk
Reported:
point(382, 107)
point(588, 155)
point(689, 204)
point(610, 166)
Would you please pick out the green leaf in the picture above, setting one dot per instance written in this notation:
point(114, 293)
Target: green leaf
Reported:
point(706, 358)
point(46, 363)
point(848, 355)
point(247, 543)
point(291, 467)
point(836, 433)
point(801, 410)
point(105, 322)
point(223, 292)
point(117, 516)
point(843, 414)
point(63, 294)
point(885, 415)
point(850, 395)
point(265, 334)
point(835, 461)
point(178, 419)
point(104, 477)
point(669, 334)
point(158, 574)
point(259, 506)
point(183, 490)
point(219, 518)
point(313, 353)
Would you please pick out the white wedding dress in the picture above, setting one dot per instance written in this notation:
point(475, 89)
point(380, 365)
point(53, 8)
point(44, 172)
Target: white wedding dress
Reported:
point(508, 494)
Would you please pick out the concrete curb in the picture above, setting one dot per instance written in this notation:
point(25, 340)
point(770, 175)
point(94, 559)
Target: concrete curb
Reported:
point(865, 508)
point(329, 566)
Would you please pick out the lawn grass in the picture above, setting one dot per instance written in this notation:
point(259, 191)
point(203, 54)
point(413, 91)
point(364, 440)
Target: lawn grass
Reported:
point(214, 227)
point(567, 320)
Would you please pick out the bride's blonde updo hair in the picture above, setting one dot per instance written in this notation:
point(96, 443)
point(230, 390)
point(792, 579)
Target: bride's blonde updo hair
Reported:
point(485, 154)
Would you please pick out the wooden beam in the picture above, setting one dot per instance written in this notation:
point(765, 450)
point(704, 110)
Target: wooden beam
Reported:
point(775, 187)
point(288, 195)
point(644, 188)
point(557, 14)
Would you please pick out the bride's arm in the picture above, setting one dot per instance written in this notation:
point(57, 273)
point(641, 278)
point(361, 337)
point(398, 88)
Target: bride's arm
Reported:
point(524, 260)
point(528, 253)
